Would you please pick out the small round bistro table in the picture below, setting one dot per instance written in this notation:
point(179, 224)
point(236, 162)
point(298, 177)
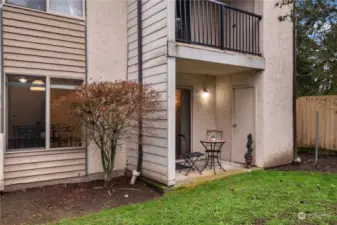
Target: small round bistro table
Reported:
point(213, 150)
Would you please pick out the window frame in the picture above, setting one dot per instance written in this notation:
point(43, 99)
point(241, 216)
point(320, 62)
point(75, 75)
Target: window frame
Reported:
point(47, 114)
point(52, 12)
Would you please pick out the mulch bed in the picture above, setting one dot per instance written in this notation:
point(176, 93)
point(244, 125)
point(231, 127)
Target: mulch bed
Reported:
point(326, 164)
point(51, 203)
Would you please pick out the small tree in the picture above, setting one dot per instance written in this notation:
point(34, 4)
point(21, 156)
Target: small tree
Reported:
point(109, 111)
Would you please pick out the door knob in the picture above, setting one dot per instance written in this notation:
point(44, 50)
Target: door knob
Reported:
point(234, 125)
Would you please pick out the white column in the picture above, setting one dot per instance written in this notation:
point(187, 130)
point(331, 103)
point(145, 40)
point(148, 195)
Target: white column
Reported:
point(2, 155)
point(171, 119)
point(171, 95)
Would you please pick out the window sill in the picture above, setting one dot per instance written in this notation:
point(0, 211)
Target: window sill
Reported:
point(37, 150)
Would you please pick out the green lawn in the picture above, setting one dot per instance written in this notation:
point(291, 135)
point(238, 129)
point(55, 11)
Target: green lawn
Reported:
point(260, 197)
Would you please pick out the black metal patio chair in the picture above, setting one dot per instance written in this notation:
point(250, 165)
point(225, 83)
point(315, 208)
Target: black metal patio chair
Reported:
point(190, 158)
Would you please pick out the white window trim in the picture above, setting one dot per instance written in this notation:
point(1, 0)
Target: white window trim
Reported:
point(47, 111)
point(51, 12)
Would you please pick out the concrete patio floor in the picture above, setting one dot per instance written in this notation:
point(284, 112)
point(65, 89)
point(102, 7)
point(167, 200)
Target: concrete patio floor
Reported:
point(194, 177)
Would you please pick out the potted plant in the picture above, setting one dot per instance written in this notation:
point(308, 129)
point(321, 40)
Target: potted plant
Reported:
point(249, 153)
point(213, 137)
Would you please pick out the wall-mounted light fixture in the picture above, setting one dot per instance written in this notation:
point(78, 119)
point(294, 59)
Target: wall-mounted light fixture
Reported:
point(205, 93)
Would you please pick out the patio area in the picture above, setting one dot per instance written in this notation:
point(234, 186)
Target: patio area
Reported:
point(194, 177)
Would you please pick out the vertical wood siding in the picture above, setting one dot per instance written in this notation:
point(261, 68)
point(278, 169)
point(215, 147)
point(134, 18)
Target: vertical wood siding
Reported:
point(306, 108)
point(154, 25)
point(37, 43)
point(37, 166)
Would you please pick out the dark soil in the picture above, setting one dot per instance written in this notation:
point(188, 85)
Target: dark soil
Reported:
point(326, 164)
point(51, 203)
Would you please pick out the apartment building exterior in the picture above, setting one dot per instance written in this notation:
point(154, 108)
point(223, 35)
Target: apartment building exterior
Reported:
point(215, 65)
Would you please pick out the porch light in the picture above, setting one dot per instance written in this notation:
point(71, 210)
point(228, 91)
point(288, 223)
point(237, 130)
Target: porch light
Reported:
point(39, 87)
point(205, 93)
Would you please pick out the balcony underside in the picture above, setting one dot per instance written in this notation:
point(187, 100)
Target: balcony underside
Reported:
point(201, 60)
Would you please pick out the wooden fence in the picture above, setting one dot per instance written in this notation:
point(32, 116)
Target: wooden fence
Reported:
point(306, 121)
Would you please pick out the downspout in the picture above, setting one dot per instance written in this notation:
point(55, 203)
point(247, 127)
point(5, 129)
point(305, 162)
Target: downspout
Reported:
point(86, 81)
point(136, 173)
point(294, 81)
point(2, 120)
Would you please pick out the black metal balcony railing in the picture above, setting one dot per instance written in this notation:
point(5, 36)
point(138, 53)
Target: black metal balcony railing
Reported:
point(215, 24)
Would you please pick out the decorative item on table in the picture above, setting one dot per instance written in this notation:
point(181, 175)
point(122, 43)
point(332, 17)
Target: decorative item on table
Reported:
point(213, 137)
point(249, 153)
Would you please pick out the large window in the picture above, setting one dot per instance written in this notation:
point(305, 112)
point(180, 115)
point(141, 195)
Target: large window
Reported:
point(26, 112)
point(35, 120)
point(66, 7)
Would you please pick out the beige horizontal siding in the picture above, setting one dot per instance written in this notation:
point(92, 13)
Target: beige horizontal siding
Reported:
point(44, 164)
point(148, 22)
point(48, 170)
point(149, 149)
point(43, 66)
point(43, 59)
point(155, 124)
point(37, 43)
point(150, 63)
point(44, 177)
point(154, 54)
point(152, 158)
point(49, 36)
point(36, 166)
point(46, 28)
point(39, 40)
point(149, 54)
point(42, 158)
point(39, 46)
point(49, 54)
point(158, 78)
point(160, 87)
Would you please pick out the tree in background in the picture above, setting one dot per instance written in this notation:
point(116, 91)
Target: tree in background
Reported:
point(109, 111)
point(316, 27)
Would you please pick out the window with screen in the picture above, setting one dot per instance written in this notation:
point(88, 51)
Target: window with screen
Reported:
point(68, 7)
point(73, 8)
point(32, 4)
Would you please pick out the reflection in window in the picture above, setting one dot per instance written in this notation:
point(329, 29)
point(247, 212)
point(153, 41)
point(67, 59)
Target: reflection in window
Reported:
point(26, 112)
point(33, 4)
point(63, 132)
point(69, 7)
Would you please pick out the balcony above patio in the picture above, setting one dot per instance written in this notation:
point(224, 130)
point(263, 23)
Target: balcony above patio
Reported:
point(217, 25)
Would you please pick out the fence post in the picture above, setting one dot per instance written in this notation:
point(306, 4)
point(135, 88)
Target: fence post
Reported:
point(317, 137)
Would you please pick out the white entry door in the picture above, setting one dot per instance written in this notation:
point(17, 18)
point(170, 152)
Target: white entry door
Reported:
point(243, 121)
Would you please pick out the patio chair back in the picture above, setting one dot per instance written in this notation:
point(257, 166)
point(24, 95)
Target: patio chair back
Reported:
point(182, 145)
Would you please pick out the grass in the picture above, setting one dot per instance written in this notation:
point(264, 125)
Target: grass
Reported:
point(261, 197)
